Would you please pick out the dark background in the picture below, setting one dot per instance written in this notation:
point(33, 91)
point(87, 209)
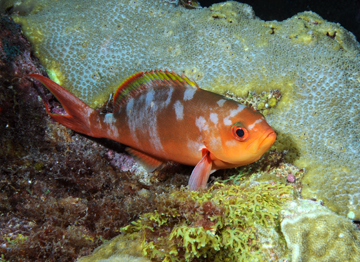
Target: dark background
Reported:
point(345, 12)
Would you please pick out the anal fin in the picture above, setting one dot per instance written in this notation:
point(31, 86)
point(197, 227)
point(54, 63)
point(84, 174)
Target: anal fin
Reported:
point(150, 163)
point(201, 172)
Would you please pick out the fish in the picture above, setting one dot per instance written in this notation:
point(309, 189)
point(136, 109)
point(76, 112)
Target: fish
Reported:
point(162, 116)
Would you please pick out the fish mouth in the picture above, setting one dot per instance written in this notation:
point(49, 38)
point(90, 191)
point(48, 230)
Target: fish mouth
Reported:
point(263, 143)
point(267, 140)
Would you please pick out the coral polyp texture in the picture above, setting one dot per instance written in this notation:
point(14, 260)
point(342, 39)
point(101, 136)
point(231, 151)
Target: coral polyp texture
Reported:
point(90, 48)
point(314, 233)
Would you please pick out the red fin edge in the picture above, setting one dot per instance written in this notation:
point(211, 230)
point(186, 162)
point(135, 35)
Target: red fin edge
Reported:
point(126, 90)
point(201, 172)
point(137, 83)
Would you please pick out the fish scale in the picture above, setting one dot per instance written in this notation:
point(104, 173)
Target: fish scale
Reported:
point(162, 116)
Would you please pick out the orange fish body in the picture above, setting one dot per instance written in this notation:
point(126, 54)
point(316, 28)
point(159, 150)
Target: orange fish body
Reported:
point(164, 117)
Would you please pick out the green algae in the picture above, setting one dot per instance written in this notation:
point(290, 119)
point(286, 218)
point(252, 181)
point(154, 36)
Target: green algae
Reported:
point(220, 224)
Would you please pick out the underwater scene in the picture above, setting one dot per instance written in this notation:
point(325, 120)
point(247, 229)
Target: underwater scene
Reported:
point(178, 130)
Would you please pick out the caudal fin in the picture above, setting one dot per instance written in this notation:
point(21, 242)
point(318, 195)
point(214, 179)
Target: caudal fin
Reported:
point(81, 118)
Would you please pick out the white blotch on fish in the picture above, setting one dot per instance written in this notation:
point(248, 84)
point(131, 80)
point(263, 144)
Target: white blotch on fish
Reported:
point(214, 118)
point(131, 120)
point(189, 93)
point(233, 113)
point(110, 121)
point(179, 110)
point(231, 143)
point(221, 102)
point(200, 122)
point(253, 124)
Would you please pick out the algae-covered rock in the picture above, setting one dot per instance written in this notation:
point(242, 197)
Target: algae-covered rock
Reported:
point(123, 248)
point(314, 233)
point(313, 63)
point(223, 223)
point(188, 226)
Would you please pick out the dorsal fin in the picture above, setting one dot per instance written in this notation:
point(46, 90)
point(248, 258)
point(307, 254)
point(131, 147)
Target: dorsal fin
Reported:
point(137, 83)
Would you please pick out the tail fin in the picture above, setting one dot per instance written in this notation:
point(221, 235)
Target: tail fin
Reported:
point(81, 118)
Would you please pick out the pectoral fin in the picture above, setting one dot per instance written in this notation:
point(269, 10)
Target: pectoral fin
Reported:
point(201, 172)
point(150, 163)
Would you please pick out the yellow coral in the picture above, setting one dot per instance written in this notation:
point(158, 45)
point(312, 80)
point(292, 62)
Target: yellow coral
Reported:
point(322, 236)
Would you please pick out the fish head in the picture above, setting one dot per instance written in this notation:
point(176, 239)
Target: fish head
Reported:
point(242, 137)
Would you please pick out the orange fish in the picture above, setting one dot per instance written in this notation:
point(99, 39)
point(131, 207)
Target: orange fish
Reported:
point(162, 117)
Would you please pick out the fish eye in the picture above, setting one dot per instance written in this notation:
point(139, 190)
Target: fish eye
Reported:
point(239, 133)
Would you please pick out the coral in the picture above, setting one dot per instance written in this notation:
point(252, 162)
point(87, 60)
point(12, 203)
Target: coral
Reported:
point(226, 222)
point(314, 233)
point(262, 102)
point(313, 63)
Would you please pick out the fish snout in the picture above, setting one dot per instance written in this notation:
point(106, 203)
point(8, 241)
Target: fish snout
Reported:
point(260, 145)
point(267, 139)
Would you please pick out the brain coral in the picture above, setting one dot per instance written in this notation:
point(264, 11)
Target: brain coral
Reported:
point(314, 63)
point(317, 234)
